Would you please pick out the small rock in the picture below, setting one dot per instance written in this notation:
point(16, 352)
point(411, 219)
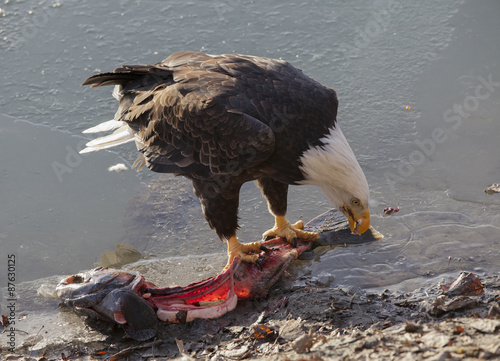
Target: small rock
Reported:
point(412, 327)
point(218, 358)
point(236, 352)
point(376, 326)
point(490, 351)
point(442, 356)
point(304, 342)
point(494, 312)
point(466, 284)
point(292, 330)
point(435, 339)
point(440, 306)
point(494, 188)
point(371, 342)
point(324, 279)
point(485, 325)
point(234, 330)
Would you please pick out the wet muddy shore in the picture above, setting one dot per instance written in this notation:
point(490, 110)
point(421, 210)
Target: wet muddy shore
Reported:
point(303, 318)
point(312, 322)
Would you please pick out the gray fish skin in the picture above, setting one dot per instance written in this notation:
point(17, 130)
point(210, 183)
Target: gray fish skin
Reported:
point(110, 294)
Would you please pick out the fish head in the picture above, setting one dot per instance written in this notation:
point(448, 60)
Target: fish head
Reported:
point(111, 295)
point(86, 289)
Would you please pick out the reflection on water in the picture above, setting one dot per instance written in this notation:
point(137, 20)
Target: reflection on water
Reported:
point(402, 71)
point(123, 254)
point(424, 245)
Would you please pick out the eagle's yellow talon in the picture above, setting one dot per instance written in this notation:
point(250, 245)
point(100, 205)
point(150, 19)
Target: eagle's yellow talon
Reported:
point(284, 229)
point(247, 252)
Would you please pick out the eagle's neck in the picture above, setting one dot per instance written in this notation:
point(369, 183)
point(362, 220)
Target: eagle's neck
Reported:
point(334, 168)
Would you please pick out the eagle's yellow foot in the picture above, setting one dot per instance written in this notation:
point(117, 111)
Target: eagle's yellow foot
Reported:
point(248, 252)
point(283, 228)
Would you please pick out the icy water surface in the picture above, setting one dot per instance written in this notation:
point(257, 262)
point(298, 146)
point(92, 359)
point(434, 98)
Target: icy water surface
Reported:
point(419, 91)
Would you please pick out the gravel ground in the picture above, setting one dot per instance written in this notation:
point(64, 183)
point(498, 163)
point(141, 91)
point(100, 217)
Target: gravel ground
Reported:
point(303, 320)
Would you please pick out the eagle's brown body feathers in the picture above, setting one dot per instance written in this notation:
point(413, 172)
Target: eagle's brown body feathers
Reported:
point(222, 121)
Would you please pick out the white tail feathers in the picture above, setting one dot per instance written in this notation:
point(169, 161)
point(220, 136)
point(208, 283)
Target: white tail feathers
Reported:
point(104, 127)
point(117, 92)
point(122, 135)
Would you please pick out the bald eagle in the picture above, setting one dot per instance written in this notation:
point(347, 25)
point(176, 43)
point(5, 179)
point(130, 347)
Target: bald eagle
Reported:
point(223, 120)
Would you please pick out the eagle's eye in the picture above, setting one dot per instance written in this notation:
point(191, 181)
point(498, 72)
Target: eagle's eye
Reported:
point(355, 202)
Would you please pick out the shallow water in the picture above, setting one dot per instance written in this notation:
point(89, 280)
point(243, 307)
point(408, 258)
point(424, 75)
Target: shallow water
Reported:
point(419, 92)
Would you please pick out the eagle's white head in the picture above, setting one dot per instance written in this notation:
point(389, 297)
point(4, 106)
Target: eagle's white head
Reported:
point(334, 168)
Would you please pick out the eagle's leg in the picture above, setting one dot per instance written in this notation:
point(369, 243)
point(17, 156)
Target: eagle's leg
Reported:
point(221, 212)
point(276, 195)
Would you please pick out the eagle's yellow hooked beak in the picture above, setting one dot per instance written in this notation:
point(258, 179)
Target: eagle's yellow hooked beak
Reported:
point(358, 223)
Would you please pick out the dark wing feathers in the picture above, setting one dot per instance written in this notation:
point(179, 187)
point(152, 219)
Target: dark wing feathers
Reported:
point(208, 133)
point(183, 123)
point(198, 113)
point(111, 79)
